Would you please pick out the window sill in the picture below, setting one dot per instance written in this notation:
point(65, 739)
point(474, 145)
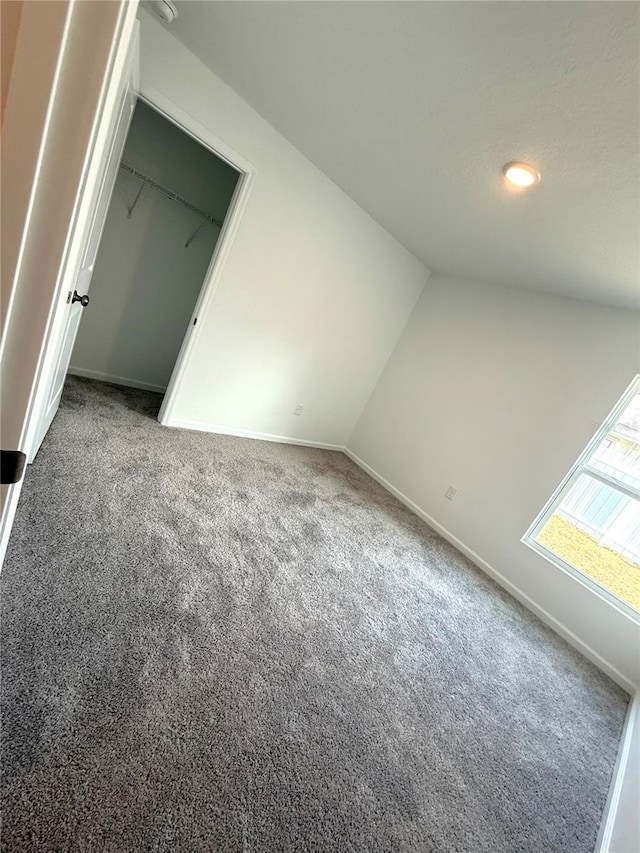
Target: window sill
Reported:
point(592, 585)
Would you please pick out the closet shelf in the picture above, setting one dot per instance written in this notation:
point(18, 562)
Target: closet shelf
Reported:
point(146, 180)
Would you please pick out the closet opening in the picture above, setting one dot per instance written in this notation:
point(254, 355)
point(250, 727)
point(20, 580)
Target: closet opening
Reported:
point(170, 200)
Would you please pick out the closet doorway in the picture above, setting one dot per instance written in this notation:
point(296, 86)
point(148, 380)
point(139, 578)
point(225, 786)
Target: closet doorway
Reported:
point(170, 201)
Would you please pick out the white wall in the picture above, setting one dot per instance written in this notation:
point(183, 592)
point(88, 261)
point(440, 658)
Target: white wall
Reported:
point(496, 391)
point(146, 283)
point(314, 293)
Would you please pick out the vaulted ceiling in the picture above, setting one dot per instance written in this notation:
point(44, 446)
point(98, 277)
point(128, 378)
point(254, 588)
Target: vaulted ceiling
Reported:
point(413, 108)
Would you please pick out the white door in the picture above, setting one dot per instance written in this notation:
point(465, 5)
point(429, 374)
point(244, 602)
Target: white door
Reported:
point(78, 300)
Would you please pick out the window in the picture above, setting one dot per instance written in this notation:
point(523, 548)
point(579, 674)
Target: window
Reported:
point(591, 525)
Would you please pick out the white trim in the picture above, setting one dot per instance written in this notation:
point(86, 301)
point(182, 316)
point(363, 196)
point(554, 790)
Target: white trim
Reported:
point(116, 380)
point(207, 293)
point(607, 825)
point(607, 480)
point(118, 53)
point(515, 591)
point(247, 175)
point(581, 466)
point(594, 586)
point(609, 422)
point(108, 101)
point(178, 423)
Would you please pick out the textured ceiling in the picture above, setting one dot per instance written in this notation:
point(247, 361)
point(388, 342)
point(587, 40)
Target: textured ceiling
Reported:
point(413, 108)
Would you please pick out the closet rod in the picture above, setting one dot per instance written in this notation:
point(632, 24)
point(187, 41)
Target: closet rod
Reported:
point(168, 193)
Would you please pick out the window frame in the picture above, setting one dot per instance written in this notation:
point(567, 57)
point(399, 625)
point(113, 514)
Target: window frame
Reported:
point(581, 466)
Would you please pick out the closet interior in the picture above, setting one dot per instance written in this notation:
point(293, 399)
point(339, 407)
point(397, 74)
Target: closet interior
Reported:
point(165, 216)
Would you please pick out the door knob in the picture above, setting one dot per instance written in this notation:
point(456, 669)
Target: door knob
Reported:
point(83, 300)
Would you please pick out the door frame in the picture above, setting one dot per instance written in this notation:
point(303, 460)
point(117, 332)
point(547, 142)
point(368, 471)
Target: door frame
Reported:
point(84, 210)
point(247, 174)
point(91, 241)
point(119, 53)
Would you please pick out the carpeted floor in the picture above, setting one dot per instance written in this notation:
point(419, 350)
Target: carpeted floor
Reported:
point(217, 644)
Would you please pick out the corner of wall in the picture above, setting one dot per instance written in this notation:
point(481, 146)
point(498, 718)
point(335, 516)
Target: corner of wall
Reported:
point(389, 358)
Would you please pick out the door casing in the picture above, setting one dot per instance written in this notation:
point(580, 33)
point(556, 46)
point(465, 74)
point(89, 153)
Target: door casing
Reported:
point(82, 284)
point(247, 175)
point(125, 69)
point(53, 294)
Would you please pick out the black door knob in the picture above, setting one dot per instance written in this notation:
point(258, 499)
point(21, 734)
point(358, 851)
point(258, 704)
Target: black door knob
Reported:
point(83, 300)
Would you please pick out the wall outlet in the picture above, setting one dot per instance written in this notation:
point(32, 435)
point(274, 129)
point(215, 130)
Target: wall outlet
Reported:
point(450, 493)
point(298, 409)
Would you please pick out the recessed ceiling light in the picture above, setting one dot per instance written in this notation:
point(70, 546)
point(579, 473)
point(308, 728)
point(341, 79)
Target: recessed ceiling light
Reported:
point(521, 174)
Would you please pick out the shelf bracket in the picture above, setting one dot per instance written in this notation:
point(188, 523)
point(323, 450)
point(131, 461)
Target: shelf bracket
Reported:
point(190, 240)
point(135, 201)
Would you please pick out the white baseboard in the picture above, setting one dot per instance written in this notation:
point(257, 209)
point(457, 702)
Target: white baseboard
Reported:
point(609, 832)
point(116, 380)
point(178, 423)
point(504, 582)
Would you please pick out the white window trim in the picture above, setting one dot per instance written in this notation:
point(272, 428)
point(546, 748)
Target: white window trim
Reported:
point(581, 466)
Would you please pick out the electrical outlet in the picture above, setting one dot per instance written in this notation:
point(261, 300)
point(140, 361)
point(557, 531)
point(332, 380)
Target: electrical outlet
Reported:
point(450, 493)
point(298, 409)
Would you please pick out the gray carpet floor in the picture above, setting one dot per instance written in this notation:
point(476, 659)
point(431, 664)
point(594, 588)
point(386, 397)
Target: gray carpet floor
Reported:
point(217, 644)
